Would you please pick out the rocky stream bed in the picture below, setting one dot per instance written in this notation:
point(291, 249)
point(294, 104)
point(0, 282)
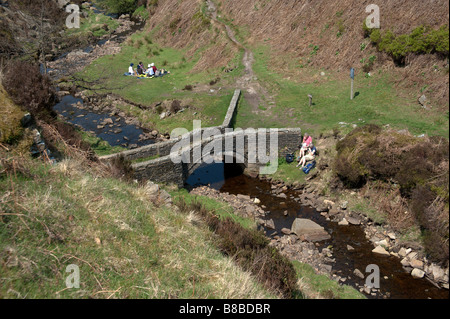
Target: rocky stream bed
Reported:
point(335, 240)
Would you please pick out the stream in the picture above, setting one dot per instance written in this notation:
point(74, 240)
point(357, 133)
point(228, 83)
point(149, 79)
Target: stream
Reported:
point(395, 283)
point(109, 127)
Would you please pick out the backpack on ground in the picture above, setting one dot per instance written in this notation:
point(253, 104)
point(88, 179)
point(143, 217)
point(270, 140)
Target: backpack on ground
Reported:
point(290, 158)
point(309, 167)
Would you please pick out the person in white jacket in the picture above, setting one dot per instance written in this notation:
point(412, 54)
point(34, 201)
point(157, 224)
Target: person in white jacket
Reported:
point(131, 70)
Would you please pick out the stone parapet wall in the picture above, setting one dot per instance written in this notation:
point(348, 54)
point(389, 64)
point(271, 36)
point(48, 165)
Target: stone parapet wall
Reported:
point(164, 170)
point(163, 149)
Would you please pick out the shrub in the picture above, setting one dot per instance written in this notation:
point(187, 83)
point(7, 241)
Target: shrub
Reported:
point(251, 251)
point(142, 12)
point(366, 30)
point(174, 23)
point(34, 92)
point(367, 66)
point(8, 44)
point(418, 166)
point(175, 107)
point(432, 217)
point(203, 22)
point(121, 6)
point(52, 13)
point(422, 40)
point(121, 168)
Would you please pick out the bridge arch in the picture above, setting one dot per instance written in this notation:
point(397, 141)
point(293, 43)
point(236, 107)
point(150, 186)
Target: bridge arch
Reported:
point(237, 158)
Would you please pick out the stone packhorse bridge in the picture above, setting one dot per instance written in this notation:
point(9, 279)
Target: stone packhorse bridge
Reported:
point(175, 160)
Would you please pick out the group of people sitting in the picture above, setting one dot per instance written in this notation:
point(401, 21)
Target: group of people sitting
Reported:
point(150, 72)
point(307, 151)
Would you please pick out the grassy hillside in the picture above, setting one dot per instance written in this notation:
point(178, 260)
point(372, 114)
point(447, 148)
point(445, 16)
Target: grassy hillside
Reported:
point(298, 55)
point(126, 242)
point(197, 92)
point(126, 245)
point(330, 36)
point(376, 101)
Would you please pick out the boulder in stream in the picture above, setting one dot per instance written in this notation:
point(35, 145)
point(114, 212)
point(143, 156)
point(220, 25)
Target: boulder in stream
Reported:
point(309, 230)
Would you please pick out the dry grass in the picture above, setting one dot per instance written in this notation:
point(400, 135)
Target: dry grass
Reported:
point(293, 29)
point(389, 201)
point(190, 31)
point(400, 173)
point(125, 244)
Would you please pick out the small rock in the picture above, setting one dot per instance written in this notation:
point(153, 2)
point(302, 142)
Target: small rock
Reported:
point(333, 211)
point(270, 224)
point(403, 252)
point(358, 273)
point(438, 272)
point(415, 263)
point(244, 197)
point(423, 100)
point(383, 243)
point(327, 268)
point(350, 248)
point(405, 262)
point(353, 220)
point(381, 251)
point(108, 121)
point(417, 273)
point(322, 208)
point(344, 205)
point(343, 222)
point(251, 210)
point(392, 236)
point(329, 203)
point(310, 230)
point(412, 255)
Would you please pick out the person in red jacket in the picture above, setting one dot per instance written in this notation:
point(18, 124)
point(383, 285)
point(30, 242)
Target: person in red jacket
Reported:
point(307, 140)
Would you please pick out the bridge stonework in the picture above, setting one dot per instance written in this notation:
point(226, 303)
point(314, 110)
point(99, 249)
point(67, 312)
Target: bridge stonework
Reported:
point(208, 143)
